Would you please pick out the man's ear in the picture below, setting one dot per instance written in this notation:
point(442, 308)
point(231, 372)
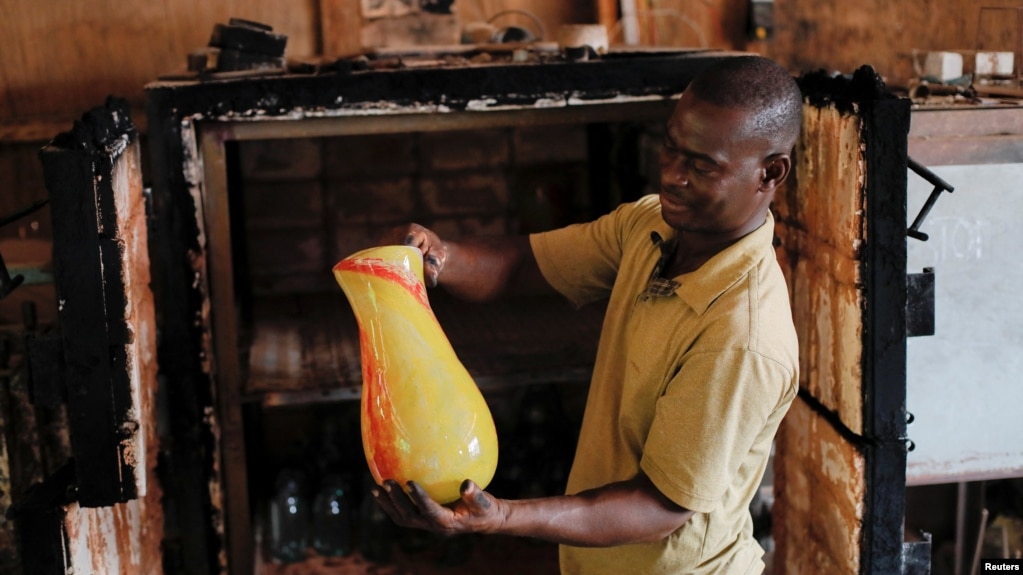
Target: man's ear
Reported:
point(776, 169)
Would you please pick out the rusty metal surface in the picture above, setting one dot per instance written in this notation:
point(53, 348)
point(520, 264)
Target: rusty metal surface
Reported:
point(822, 480)
point(821, 230)
point(842, 244)
point(306, 347)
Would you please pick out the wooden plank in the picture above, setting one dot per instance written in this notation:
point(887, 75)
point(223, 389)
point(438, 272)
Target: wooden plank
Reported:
point(718, 24)
point(227, 377)
point(340, 22)
point(963, 122)
point(967, 151)
point(967, 136)
point(837, 35)
point(607, 14)
point(64, 59)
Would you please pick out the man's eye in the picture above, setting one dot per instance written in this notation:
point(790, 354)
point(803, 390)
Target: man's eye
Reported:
point(701, 166)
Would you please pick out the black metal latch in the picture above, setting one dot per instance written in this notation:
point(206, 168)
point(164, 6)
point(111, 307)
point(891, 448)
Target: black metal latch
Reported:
point(939, 184)
point(920, 303)
point(920, 287)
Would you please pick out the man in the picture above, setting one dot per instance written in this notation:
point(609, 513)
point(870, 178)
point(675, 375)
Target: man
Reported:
point(697, 362)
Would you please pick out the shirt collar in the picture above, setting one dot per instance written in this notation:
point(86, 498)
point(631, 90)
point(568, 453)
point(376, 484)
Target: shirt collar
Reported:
point(701, 287)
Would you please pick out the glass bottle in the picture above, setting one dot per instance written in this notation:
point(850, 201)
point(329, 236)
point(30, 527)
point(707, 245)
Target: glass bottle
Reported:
point(376, 530)
point(331, 517)
point(289, 517)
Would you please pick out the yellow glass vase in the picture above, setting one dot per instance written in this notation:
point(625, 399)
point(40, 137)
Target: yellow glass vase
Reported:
point(423, 418)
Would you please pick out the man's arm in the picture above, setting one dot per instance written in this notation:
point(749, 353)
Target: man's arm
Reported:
point(632, 511)
point(475, 269)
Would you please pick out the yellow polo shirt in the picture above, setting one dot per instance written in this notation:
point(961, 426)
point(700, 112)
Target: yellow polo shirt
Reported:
point(689, 386)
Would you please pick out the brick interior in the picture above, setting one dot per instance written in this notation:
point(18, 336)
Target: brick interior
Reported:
point(310, 202)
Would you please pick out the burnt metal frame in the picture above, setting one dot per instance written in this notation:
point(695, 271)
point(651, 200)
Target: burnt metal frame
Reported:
point(190, 124)
point(39, 522)
point(885, 139)
point(96, 377)
point(886, 129)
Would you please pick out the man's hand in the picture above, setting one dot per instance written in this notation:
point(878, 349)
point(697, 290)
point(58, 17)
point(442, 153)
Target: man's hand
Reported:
point(475, 512)
point(479, 268)
point(435, 251)
point(631, 511)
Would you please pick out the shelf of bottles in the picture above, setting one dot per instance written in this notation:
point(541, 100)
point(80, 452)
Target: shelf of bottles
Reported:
point(316, 516)
point(305, 348)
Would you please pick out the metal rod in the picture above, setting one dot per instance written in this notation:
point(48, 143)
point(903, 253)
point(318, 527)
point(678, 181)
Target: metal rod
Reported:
point(8, 283)
point(960, 527)
point(928, 175)
point(939, 186)
point(980, 542)
point(20, 214)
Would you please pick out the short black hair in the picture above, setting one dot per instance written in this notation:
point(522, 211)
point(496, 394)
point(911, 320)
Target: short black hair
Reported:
point(759, 85)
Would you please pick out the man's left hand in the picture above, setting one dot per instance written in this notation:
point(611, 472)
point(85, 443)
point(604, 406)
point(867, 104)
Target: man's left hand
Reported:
point(476, 511)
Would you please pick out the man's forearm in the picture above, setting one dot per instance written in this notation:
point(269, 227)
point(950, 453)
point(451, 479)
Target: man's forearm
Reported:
point(616, 514)
point(484, 268)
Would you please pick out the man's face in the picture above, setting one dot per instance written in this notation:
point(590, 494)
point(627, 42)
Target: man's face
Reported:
point(711, 171)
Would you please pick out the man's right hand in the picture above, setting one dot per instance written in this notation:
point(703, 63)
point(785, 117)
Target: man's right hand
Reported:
point(478, 268)
point(435, 251)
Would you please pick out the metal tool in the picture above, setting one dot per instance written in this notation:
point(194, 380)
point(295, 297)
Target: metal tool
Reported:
point(939, 184)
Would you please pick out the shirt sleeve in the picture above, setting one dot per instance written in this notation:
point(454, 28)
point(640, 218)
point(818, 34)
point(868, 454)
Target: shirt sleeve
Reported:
point(581, 261)
point(711, 415)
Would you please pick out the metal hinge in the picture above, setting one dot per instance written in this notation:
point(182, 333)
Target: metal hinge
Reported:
point(916, 556)
point(920, 303)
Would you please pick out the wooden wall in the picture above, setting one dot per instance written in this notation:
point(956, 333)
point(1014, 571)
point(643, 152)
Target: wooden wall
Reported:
point(841, 35)
point(60, 58)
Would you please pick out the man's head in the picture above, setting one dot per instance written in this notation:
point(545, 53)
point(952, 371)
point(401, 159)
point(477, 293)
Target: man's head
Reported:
point(727, 146)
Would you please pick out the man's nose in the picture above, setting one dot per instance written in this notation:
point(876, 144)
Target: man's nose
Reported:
point(674, 174)
point(673, 170)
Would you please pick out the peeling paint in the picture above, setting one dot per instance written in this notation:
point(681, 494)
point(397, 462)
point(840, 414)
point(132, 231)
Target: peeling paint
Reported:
point(126, 537)
point(822, 229)
point(381, 108)
point(819, 475)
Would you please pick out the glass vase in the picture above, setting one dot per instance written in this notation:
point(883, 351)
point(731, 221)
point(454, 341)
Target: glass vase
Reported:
point(422, 416)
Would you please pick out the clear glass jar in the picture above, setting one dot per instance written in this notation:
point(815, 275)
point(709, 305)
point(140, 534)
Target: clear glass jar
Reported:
point(332, 517)
point(289, 517)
